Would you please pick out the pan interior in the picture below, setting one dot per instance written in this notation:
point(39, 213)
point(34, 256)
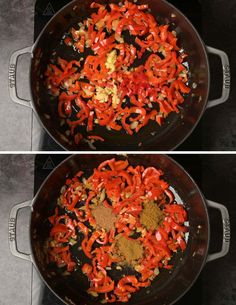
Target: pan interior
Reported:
point(175, 128)
point(169, 285)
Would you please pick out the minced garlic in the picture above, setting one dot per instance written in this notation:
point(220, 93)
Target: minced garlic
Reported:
point(102, 95)
point(111, 60)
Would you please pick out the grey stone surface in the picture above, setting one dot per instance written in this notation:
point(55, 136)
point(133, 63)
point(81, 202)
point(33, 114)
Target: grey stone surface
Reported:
point(16, 32)
point(16, 185)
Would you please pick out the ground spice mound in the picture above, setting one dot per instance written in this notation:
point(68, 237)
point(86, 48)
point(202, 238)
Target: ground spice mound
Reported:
point(128, 250)
point(104, 217)
point(151, 215)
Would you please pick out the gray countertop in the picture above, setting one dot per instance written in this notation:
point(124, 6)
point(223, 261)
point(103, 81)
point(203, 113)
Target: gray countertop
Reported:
point(16, 184)
point(16, 32)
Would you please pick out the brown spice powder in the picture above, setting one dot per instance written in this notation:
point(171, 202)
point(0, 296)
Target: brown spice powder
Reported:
point(104, 217)
point(151, 216)
point(128, 250)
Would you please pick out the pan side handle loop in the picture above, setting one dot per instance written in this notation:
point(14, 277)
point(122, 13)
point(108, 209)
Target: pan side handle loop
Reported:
point(12, 230)
point(226, 77)
point(12, 77)
point(226, 230)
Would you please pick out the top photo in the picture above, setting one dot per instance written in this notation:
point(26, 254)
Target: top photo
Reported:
point(111, 75)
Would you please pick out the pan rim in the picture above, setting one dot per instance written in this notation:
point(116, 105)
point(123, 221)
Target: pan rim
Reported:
point(207, 70)
point(203, 200)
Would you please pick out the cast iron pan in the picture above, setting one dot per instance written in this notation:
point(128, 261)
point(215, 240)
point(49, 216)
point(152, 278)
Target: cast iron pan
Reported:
point(176, 128)
point(152, 137)
point(169, 285)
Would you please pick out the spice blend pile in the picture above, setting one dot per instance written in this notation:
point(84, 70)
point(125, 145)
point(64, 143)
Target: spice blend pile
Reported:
point(135, 72)
point(128, 217)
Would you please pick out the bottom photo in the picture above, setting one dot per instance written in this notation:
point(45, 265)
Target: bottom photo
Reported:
point(118, 228)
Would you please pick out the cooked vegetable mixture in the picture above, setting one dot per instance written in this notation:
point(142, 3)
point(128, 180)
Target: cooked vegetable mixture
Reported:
point(128, 219)
point(130, 70)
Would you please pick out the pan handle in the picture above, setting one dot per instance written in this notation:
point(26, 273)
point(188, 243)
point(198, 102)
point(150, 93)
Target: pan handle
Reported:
point(12, 230)
point(226, 77)
point(226, 230)
point(12, 77)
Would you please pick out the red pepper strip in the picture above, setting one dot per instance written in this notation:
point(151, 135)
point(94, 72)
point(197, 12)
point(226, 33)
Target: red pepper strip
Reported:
point(97, 138)
point(144, 284)
point(165, 107)
point(113, 125)
point(143, 44)
point(59, 228)
point(64, 105)
point(177, 212)
point(120, 165)
point(126, 176)
point(104, 117)
point(87, 207)
point(125, 125)
point(104, 241)
point(77, 138)
point(170, 195)
point(150, 172)
point(120, 26)
point(182, 87)
point(87, 269)
point(104, 259)
point(106, 288)
point(73, 125)
point(104, 46)
point(79, 45)
point(79, 214)
point(143, 7)
point(79, 102)
point(84, 247)
point(75, 34)
point(105, 163)
point(96, 5)
point(163, 32)
point(150, 116)
point(79, 174)
point(112, 20)
point(62, 62)
point(70, 264)
point(90, 121)
point(94, 68)
point(175, 226)
point(102, 12)
point(74, 200)
point(68, 41)
point(129, 279)
point(146, 274)
point(181, 242)
point(83, 228)
point(92, 239)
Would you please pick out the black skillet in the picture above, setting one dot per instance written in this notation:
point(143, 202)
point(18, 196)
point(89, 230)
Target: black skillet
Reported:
point(168, 287)
point(175, 129)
